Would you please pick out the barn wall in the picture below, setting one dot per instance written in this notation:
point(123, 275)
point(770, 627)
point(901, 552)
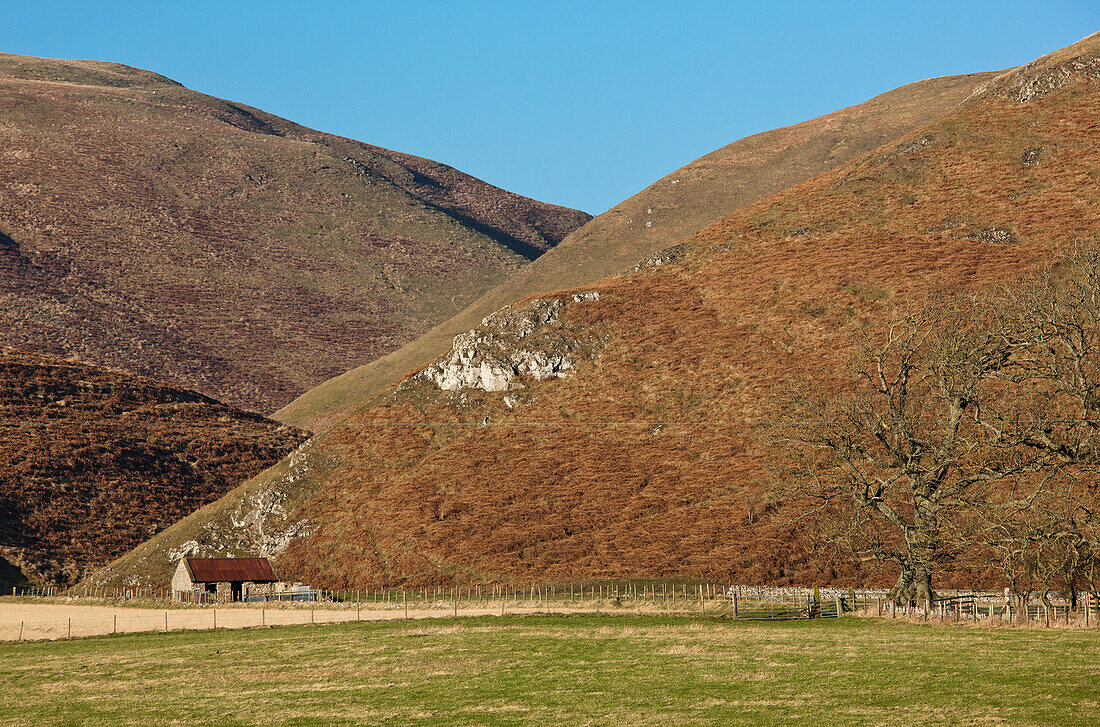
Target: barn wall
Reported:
point(181, 580)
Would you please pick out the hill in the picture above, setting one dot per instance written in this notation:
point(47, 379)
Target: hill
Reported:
point(679, 204)
point(93, 462)
point(147, 227)
point(615, 430)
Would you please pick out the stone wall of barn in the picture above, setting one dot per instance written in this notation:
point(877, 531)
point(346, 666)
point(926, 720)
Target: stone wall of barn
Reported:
point(181, 581)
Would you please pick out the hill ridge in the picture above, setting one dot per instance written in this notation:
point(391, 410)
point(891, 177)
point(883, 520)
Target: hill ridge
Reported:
point(246, 255)
point(706, 190)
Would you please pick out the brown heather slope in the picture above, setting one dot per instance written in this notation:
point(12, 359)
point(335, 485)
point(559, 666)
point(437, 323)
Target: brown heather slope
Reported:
point(150, 228)
point(681, 203)
point(649, 460)
point(93, 462)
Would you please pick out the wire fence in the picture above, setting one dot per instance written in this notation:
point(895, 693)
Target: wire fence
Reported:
point(99, 615)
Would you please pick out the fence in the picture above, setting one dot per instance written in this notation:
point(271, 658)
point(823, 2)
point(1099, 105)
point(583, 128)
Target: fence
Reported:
point(655, 592)
point(670, 598)
point(751, 603)
point(45, 592)
point(994, 607)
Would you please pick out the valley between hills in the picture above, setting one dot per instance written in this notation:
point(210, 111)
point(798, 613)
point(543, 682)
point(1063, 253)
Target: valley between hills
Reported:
point(213, 246)
point(596, 406)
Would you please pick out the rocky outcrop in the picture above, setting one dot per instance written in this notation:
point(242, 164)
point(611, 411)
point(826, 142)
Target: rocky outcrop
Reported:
point(508, 346)
point(1047, 74)
point(664, 257)
point(994, 236)
point(1030, 86)
point(262, 522)
point(1031, 156)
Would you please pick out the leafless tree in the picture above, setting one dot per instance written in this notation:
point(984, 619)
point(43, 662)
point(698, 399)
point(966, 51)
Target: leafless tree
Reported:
point(1041, 537)
point(1056, 334)
point(922, 430)
point(969, 423)
point(1044, 534)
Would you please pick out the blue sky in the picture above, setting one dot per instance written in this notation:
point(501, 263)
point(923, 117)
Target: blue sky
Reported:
point(577, 103)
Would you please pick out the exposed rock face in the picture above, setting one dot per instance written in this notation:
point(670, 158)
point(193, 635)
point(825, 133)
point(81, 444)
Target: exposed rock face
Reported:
point(508, 345)
point(664, 257)
point(1031, 86)
point(1044, 75)
point(1032, 156)
point(262, 522)
point(995, 236)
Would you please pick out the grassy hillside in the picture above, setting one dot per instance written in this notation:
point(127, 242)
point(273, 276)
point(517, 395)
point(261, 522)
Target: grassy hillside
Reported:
point(627, 440)
point(93, 462)
point(681, 203)
point(147, 227)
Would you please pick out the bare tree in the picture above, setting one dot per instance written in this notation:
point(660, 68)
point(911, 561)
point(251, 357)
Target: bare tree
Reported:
point(923, 430)
point(1056, 336)
point(1043, 532)
point(1042, 538)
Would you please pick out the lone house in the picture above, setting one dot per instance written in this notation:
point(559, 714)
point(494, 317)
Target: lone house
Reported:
point(204, 574)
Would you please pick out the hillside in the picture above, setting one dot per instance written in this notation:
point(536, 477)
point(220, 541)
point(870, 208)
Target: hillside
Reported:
point(681, 203)
point(147, 227)
point(93, 462)
point(616, 430)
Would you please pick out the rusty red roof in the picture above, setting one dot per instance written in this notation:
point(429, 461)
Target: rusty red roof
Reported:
point(224, 570)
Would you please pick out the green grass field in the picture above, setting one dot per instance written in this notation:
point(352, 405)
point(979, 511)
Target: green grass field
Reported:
point(561, 670)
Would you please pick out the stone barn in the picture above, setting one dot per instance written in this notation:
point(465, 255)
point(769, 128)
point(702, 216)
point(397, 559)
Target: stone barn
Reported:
point(198, 575)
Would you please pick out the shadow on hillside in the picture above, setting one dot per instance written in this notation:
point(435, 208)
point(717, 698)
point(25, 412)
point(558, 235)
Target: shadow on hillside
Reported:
point(10, 576)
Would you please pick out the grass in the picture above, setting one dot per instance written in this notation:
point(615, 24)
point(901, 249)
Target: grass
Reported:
point(561, 670)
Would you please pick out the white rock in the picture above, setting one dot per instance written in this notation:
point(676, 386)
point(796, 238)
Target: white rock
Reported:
point(494, 355)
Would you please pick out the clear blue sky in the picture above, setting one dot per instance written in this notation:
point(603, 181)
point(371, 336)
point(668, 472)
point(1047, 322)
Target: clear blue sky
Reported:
point(577, 103)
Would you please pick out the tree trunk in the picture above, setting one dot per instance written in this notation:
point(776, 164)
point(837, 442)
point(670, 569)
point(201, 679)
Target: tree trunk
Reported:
point(902, 593)
point(1019, 602)
point(922, 539)
point(922, 588)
